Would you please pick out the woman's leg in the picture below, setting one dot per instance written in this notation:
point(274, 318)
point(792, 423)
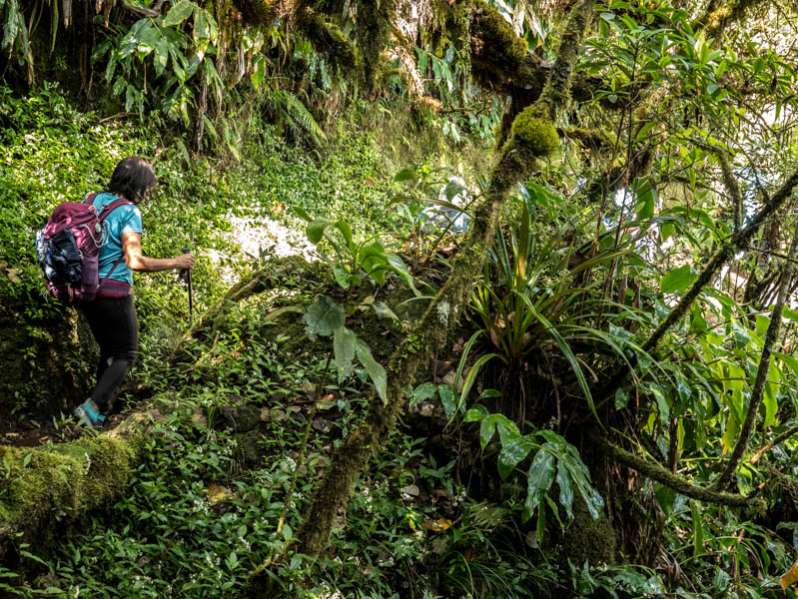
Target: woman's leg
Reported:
point(114, 325)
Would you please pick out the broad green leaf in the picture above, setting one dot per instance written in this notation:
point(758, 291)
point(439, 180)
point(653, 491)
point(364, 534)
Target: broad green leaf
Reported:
point(315, 230)
point(566, 490)
point(475, 414)
point(423, 392)
point(323, 317)
point(580, 475)
point(514, 452)
point(179, 12)
point(346, 232)
point(770, 396)
point(375, 370)
point(730, 432)
point(448, 400)
point(677, 280)
point(341, 277)
point(539, 478)
point(486, 430)
point(665, 497)
point(398, 266)
point(663, 407)
point(508, 430)
point(645, 198)
point(258, 75)
point(344, 342)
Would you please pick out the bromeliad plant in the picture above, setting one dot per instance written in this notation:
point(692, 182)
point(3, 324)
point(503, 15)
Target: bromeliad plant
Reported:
point(537, 301)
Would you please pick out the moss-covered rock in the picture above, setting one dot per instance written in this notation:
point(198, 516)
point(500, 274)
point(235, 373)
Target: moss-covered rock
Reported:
point(46, 361)
point(587, 539)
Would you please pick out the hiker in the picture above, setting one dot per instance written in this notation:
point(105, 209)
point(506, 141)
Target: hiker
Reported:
point(112, 314)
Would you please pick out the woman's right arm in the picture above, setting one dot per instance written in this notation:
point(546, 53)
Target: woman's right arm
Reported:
point(137, 261)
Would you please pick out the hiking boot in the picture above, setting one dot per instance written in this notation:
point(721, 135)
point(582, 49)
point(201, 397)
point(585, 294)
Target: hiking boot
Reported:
point(88, 415)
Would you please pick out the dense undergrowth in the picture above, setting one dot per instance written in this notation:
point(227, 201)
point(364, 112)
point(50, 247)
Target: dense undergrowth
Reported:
point(610, 406)
point(52, 153)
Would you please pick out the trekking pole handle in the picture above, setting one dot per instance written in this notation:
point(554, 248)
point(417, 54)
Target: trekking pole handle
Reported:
point(187, 274)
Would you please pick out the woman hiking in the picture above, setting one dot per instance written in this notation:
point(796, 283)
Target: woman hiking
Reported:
point(112, 315)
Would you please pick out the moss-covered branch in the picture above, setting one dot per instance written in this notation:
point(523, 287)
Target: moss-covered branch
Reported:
point(664, 476)
point(556, 94)
point(719, 14)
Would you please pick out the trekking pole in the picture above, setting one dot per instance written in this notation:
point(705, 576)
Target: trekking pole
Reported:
point(187, 278)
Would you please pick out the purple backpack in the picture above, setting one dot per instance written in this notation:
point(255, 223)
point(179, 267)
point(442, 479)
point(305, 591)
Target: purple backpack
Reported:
point(69, 249)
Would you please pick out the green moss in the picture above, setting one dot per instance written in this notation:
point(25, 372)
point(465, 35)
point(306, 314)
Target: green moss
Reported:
point(587, 539)
point(260, 13)
point(535, 133)
point(374, 22)
point(330, 39)
point(498, 55)
point(67, 478)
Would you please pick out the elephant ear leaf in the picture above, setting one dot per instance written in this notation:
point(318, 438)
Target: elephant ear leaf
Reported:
point(323, 317)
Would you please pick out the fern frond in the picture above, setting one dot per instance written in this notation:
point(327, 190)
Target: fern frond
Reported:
point(298, 116)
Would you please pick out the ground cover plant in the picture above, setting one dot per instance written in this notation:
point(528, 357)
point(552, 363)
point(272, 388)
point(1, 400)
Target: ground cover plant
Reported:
point(494, 299)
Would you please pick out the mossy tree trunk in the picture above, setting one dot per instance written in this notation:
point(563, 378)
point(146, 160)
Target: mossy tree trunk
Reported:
point(533, 137)
point(43, 485)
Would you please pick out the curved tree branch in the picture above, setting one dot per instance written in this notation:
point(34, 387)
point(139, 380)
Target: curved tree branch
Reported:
point(771, 444)
point(738, 242)
point(664, 476)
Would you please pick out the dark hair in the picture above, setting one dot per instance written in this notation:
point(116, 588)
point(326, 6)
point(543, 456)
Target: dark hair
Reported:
point(132, 179)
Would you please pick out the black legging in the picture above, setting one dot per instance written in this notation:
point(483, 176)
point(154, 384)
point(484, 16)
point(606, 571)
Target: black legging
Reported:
point(114, 326)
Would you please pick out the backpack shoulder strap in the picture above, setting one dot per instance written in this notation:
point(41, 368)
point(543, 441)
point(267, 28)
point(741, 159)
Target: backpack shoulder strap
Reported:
point(89, 199)
point(109, 208)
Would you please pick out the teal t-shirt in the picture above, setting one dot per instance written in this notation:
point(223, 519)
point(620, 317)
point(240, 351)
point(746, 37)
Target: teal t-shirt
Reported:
point(121, 219)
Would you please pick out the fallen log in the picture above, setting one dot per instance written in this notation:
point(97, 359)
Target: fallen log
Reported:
point(41, 487)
